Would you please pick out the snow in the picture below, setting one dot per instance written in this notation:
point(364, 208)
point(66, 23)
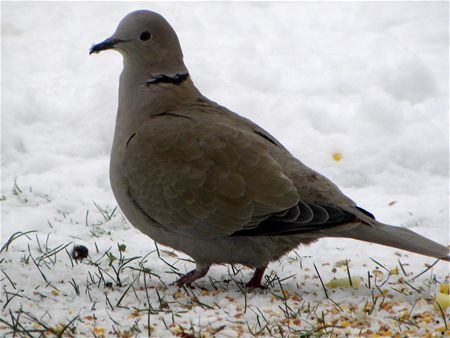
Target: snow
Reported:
point(366, 80)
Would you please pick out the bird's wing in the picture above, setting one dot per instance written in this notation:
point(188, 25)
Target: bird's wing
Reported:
point(204, 179)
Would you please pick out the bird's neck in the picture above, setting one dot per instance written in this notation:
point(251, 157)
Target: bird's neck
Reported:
point(143, 95)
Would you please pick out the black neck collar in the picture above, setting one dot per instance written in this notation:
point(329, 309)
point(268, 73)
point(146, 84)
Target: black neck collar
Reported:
point(163, 78)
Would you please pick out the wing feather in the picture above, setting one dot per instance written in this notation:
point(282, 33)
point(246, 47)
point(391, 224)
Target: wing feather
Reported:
point(211, 180)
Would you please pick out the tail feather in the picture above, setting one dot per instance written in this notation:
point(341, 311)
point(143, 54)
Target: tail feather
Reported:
point(393, 236)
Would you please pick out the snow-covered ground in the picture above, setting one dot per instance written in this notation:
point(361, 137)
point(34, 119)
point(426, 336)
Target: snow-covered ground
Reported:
point(366, 80)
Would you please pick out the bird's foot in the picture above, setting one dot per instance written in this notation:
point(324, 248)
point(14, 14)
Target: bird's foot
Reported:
point(255, 282)
point(192, 276)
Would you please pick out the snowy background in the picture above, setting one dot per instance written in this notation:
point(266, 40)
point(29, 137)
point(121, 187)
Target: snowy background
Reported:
point(368, 81)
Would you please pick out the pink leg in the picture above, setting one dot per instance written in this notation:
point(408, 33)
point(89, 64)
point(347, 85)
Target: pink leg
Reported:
point(255, 282)
point(192, 276)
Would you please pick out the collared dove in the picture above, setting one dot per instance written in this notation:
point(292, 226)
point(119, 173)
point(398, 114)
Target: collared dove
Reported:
point(206, 181)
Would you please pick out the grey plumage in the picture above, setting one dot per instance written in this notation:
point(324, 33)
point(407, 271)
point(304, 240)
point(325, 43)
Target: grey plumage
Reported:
point(197, 177)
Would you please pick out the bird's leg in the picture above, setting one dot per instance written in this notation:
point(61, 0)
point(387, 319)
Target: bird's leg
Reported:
point(192, 276)
point(255, 282)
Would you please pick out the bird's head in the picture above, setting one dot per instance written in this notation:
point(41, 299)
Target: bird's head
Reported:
point(147, 40)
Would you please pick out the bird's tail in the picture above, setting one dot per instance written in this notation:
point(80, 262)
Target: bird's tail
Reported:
point(393, 236)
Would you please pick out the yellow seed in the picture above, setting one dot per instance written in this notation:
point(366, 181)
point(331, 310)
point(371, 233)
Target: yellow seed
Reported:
point(344, 283)
point(176, 329)
point(178, 294)
point(345, 324)
point(442, 300)
point(404, 315)
point(98, 330)
point(444, 288)
point(337, 156)
point(150, 328)
point(342, 263)
point(394, 271)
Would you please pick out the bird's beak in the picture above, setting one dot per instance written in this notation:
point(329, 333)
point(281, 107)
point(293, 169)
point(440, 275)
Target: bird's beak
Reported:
point(109, 43)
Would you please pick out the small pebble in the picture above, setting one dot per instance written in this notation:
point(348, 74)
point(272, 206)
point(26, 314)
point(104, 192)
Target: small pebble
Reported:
point(79, 252)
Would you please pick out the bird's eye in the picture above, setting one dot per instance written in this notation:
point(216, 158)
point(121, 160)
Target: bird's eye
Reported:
point(145, 36)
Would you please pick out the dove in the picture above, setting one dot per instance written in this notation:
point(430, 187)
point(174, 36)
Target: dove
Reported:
point(201, 179)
